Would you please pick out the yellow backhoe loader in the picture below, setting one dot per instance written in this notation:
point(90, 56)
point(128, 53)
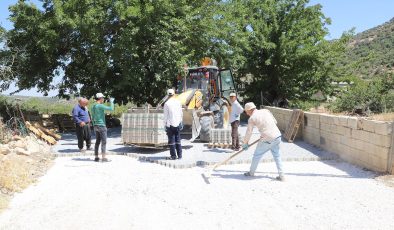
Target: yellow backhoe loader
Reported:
point(204, 93)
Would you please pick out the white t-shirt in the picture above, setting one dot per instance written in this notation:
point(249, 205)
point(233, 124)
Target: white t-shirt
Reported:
point(236, 110)
point(173, 114)
point(265, 123)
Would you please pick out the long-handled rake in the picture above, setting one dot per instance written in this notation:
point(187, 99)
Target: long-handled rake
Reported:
point(208, 173)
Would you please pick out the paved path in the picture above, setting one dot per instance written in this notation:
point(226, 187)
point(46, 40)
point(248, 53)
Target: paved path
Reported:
point(78, 193)
point(195, 153)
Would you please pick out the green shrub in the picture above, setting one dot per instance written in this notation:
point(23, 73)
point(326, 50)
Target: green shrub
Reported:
point(375, 96)
point(304, 105)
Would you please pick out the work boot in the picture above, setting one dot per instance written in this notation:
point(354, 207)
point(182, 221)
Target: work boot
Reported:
point(104, 158)
point(248, 174)
point(281, 177)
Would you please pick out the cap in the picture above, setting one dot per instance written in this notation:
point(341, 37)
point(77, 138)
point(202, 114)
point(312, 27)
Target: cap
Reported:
point(249, 106)
point(99, 95)
point(170, 92)
point(233, 94)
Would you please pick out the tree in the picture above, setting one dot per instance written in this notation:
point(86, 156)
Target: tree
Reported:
point(7, 60)
point(284, 48)
point(129, 49)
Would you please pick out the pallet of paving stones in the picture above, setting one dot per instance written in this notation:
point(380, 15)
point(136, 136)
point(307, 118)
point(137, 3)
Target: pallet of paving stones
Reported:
point(220, 135)
point(219, 145)
point(144, 128)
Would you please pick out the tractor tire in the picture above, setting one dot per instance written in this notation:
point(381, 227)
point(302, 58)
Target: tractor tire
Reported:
point(218, 118)
point(206, 126)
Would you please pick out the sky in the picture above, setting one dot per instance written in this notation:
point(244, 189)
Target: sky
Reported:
point(344, 14)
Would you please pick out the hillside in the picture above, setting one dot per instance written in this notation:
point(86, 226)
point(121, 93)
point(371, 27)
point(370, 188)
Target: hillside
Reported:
point(371, 52)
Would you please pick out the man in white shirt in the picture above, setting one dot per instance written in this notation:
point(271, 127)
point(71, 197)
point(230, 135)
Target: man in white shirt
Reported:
point(270, 137)
point(236, 110)
point(173, 116)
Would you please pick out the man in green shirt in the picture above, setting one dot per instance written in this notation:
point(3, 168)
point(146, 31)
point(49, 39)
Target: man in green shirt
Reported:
point(98, 120)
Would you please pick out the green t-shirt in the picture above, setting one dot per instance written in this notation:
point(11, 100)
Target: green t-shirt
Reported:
point(98, 115)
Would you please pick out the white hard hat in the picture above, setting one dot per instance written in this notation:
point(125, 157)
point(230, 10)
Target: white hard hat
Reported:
point(233, 94)
point(170, 92)
point(249, 106)
point(99, 95)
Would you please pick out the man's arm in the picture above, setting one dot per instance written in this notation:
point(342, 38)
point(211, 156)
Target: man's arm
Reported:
point(249, 131)
point(110, 108)
point(165, 114)
point(239, 108)
point(75, 115)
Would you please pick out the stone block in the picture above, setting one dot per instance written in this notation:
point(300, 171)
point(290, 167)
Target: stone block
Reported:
point(360, 135)
point(383, 128)
point(378, 164)
point(381, 140)
point(352, 122)
point(368, 125)
point(381, 152)
point(359, 144)
point(342, 121)
point(312, 116)
point(347, 141)
point(363, 156)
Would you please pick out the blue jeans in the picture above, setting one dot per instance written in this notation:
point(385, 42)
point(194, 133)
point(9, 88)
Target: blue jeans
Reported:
point(174, 141)
point(262, 148)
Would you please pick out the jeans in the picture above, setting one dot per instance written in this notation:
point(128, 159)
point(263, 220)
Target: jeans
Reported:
point(101, 136)
point(83, 134)
point(234, 135)
point(174, 141)
point(262, 148)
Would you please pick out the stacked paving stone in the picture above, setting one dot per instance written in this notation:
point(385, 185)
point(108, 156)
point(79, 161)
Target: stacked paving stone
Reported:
point(220, 138)
point(360, 141)
point(142, 127)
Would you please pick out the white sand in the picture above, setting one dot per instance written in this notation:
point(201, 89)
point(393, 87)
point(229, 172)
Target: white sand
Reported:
point(128, 194)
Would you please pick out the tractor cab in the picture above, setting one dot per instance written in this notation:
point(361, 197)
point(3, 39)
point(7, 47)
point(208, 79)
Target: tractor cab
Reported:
point(214, 83)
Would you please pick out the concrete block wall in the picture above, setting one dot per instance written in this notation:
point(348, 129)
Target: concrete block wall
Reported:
point(363, 142)
point(283, 116)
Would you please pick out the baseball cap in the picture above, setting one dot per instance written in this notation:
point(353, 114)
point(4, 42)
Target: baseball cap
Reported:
point(99, 95)
point(233, 94)
point(170, 92)
point(249, 106)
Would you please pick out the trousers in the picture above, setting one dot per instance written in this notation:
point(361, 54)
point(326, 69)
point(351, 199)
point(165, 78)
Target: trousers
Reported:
point(174, 141)
point(261, 149)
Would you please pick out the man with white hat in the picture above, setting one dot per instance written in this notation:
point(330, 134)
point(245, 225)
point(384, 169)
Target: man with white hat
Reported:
point(236, 110)
point(98, 120)
point(270, 137)
point(173, 116)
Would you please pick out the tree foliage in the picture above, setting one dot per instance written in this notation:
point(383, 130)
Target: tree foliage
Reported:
point(285, 50)
point(375, 96)
point(133, 49)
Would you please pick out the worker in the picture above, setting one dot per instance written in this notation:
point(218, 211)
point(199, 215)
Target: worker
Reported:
point(173, 116)
point(236, 110)
point(98, 119)
point(82, 124)
point(270, 137)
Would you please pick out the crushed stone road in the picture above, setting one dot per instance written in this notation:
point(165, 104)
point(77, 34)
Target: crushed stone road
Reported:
point(78, 193)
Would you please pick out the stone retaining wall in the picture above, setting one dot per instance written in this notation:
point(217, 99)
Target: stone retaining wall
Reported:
point(363, 142)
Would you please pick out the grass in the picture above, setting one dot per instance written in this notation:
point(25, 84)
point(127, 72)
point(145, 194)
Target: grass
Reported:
point(4, 200)
point(383, 117)
point(14, 173)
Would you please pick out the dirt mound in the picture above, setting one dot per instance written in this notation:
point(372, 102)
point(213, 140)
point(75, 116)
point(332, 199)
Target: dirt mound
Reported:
point(22, 161)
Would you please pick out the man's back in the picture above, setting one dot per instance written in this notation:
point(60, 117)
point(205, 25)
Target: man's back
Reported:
point(173, 113)
point(266, 124)
point(98, 115)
